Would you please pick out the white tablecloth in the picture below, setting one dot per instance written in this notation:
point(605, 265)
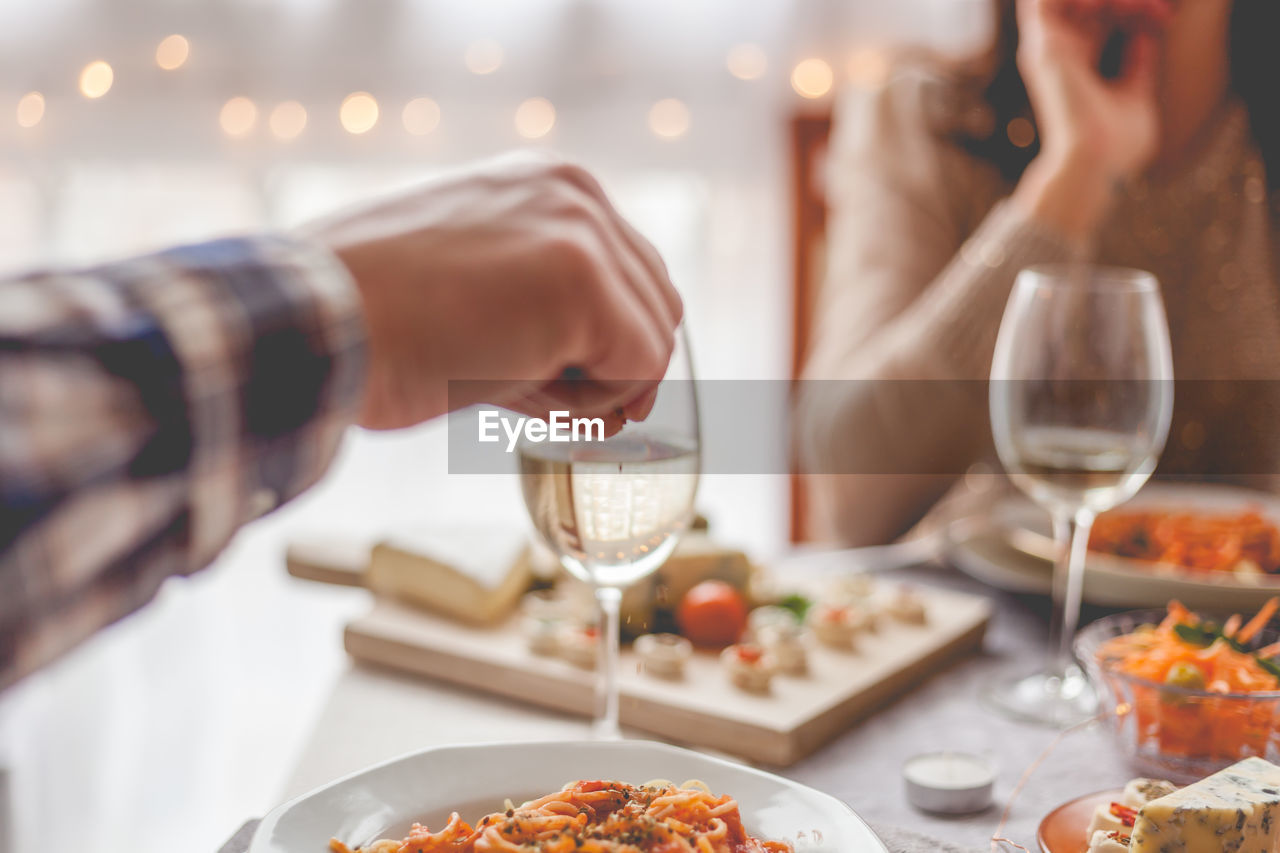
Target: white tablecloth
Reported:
point(374, 715)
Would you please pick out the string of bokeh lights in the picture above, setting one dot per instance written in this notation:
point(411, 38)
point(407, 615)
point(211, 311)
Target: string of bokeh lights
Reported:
point(534, 118)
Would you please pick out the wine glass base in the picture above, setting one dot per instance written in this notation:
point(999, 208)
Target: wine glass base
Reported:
point(606, 730)
point(1042, 698)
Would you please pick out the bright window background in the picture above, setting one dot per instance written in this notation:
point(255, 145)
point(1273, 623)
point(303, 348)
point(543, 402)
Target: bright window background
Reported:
point(180, 722)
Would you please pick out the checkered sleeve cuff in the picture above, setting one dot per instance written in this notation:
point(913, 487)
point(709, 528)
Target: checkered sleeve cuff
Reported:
point(271, 346)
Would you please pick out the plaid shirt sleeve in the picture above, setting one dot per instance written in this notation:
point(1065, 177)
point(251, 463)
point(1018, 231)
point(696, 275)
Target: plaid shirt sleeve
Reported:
point(148, 409)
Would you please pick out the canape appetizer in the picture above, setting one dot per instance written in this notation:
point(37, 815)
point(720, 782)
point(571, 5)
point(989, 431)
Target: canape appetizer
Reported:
point(664, 655)
point(579, 644)
point(1119, 816)
point(768, 616)
point(852, 588)
point(748, 667)
point(542, 634)
point(784, 641)
point(906, 605)
point(837, 625)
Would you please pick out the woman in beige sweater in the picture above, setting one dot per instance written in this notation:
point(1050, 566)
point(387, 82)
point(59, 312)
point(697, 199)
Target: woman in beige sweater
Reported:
point(945, 183)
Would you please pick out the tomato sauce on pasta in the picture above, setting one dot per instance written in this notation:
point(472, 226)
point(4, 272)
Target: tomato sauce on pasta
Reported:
point(594, 817)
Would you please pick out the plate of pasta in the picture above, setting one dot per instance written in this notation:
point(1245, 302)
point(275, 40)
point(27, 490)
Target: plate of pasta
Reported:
point(1213, 547)
point(557, 797)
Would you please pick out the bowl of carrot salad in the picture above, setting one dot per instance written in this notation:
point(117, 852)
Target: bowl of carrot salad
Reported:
point(1191, 693)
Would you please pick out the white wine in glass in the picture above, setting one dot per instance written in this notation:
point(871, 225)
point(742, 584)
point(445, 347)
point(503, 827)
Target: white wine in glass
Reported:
point(614, 510)
point(1081, 397)
point(1072, 466)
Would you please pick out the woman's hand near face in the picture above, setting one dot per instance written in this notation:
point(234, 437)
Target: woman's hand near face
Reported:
point(1095, 131)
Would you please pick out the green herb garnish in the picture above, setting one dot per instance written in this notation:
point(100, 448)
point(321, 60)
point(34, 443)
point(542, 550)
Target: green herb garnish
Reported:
point(1196, 635)
point(1270, 665)
point(797, 604)
point(1205, 634)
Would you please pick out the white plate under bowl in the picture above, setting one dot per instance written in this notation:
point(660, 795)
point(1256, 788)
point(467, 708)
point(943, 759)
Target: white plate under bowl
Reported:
point(1118, 581)
point(385, 800)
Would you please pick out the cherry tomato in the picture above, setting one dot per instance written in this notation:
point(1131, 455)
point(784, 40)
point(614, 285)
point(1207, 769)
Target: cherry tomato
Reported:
point(712, 615)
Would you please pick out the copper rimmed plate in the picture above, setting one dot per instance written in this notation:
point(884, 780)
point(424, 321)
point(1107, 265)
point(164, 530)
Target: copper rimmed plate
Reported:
point(1064, 829)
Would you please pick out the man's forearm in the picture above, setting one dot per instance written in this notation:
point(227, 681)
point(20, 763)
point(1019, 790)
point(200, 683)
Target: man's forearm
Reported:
point(148, 409)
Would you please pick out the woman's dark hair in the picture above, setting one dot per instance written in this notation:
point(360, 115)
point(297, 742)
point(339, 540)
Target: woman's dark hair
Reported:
point(1255, 72)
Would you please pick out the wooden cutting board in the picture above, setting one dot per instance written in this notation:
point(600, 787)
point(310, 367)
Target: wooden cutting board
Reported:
point(797, 716)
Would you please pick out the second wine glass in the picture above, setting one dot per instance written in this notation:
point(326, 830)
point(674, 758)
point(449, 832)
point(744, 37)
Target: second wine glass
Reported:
point(613, 510)
point(1081, 397)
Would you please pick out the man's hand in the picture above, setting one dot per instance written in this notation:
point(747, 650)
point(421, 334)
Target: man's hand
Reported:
point(515, 275)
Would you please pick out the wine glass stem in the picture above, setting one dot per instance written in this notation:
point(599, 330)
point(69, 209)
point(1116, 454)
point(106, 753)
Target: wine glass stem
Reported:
point(606, 725)
point(1072, 535)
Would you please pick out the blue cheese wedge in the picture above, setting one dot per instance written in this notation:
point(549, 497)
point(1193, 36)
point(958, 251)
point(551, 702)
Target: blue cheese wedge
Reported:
point(1235, 810)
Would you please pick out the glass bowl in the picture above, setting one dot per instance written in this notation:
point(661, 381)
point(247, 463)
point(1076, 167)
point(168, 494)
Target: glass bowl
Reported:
point(1178, 733)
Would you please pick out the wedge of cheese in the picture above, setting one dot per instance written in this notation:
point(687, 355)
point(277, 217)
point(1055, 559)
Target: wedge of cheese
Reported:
point(1235, 810)
point(476, 575)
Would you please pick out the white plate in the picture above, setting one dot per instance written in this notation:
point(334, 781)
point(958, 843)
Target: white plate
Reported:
point(385, 800)
point(1117, 581)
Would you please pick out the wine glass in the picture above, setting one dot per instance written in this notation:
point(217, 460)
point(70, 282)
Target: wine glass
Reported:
point(613, 510)
point(1081, 395)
